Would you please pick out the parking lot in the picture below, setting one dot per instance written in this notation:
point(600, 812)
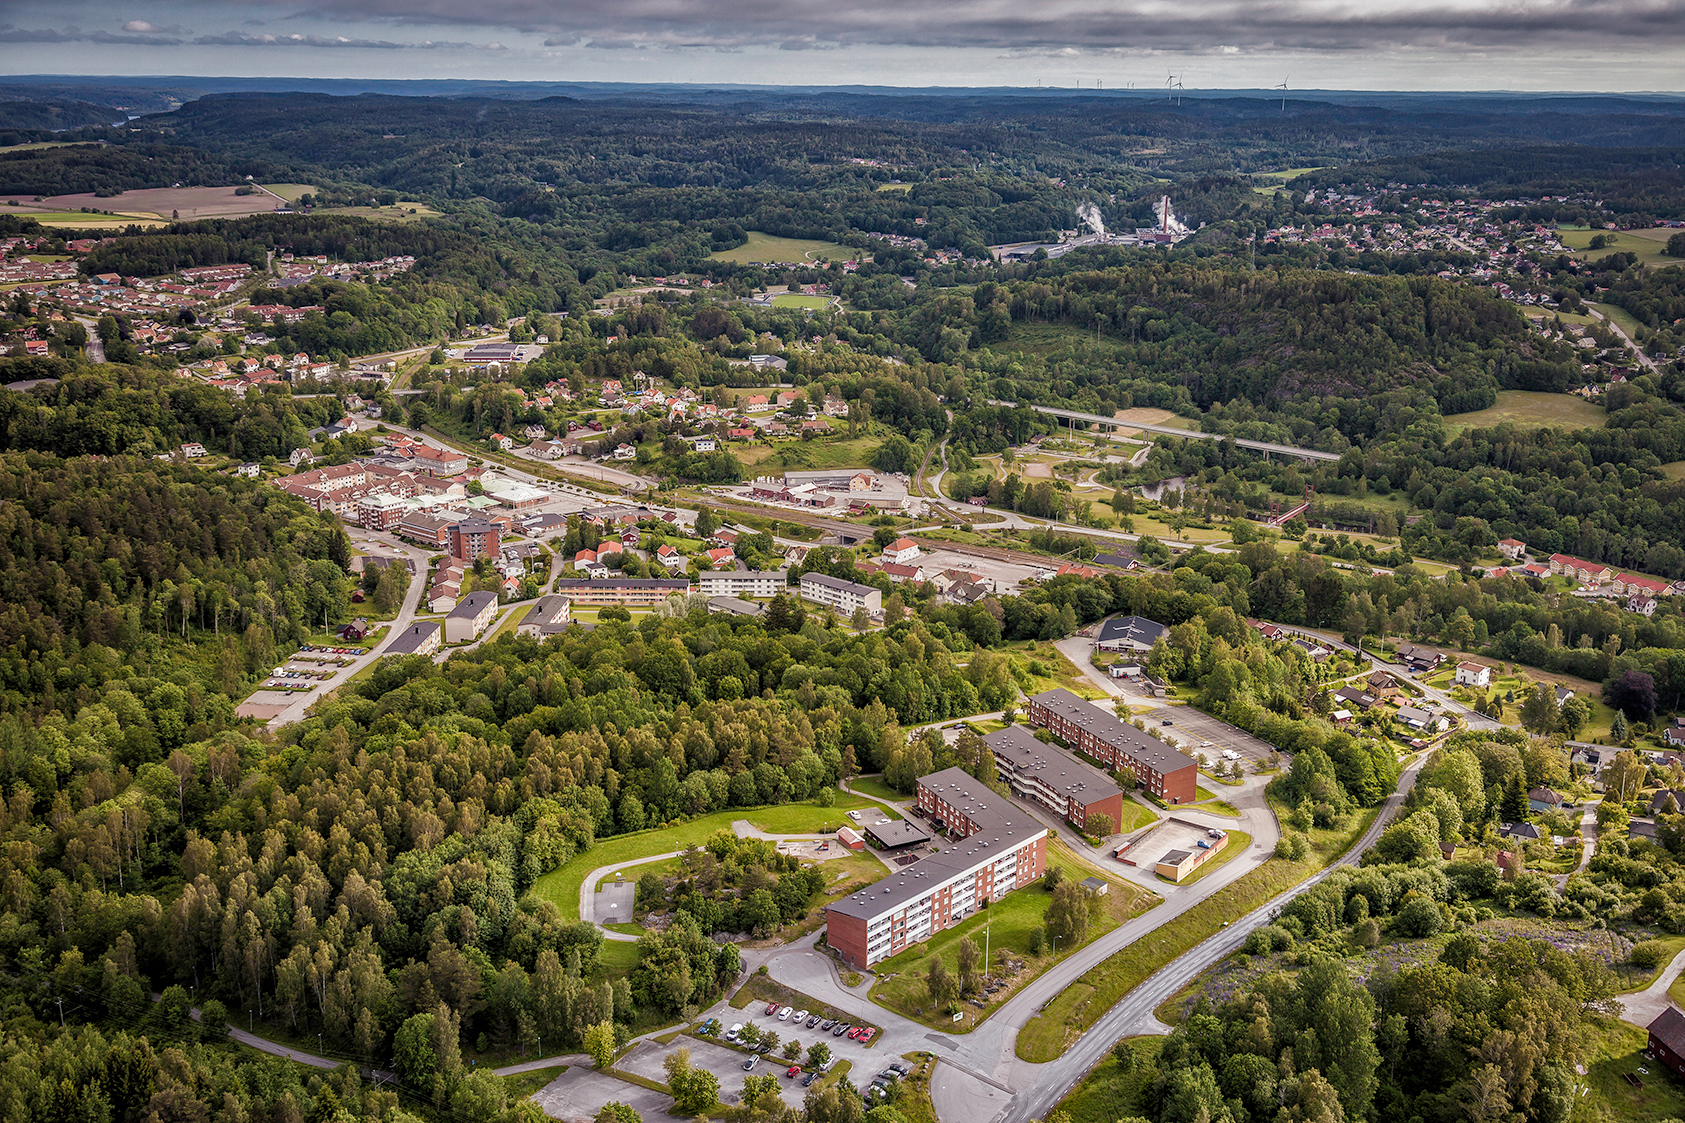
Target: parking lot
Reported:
point(578, 1094)
point(1195, 732)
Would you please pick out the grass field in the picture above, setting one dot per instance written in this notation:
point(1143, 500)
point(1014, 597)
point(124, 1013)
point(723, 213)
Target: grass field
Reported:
point(801, 300)
point(79, 220)
point(1674, 470)
point(1532, 409)
point(1010, 921)
point(562, 885)
point(291, 192)
point(1617, 1049)
point(870, 785)
point(1621, 317)
point(398, 212)
point(1134, 816)
point(1647, 244)
point(834, 452)
point(769, 247)
point(1074, 1009)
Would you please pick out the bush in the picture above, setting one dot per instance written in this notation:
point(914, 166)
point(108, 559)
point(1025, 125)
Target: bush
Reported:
point(1419, 918)
point(1650, 954)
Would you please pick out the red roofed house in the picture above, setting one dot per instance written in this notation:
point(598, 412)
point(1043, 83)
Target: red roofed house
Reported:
point(670, 557)
point(1588, 572)
point(901, 551)
point(1474, 674)
point(1631, 583)
point(1512, 548)
point(722, 556)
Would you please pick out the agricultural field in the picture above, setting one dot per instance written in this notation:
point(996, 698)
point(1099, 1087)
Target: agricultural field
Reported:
point(158, 202)
point(1532, 409)
point(410, 211)
point(769, 247)
point(293, 192)
point(81, 220)
point(1647, 244)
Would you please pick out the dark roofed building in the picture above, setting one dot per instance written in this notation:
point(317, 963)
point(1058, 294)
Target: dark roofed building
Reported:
point(420, 638)
point(1129, 633)
point(895, 833)
point(1055, 779)
point(1667, 1039)
point(998, 847)
point(1162, 770)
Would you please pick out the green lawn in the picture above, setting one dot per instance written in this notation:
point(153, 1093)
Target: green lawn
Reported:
point(562, 885)
point(1647, 244)
point(826, 452)
point(524, 1084)
point(871, 785)
point(291, 192)
point(801, 300)
point(1532, 409)
point(769, 247)
point(1074, 1009)
point(1134, 816)
point(1621, 316)
point(1009, 922)
point(1617, 1049)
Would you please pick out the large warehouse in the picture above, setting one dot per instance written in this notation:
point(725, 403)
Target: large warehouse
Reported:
point(1116, 744)
point(1000, 848)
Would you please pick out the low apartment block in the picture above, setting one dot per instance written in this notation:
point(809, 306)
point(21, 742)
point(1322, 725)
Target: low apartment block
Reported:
point(1052, 778)
point(1116, 744)
point(631, 591)
point(743, 582)
point(844, 596)
point(1000, 848)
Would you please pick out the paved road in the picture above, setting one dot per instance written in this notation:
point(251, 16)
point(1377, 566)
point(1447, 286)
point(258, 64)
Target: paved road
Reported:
point(406, 615)
point(1040, 1086)
point(1643, 1007)
point(96, 345)
point(588, 893)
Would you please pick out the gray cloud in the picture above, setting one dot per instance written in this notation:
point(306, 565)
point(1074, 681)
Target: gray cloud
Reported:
point(9, 34)
point(1087, 25)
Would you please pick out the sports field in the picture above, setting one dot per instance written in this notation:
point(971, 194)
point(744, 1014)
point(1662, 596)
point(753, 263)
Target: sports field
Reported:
point(1532, 409)
point(1647, 244)
point(768, 247)
point(798, 300)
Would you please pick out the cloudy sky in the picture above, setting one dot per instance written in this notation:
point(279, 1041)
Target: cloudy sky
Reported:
point(1625, 45)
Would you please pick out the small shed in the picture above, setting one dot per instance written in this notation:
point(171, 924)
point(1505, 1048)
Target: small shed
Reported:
point(851, 839)
point(1098, 886)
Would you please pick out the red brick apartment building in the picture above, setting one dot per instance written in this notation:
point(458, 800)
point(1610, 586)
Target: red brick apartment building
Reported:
point(1054, 778)
point(1116, 744)
point(999, 848)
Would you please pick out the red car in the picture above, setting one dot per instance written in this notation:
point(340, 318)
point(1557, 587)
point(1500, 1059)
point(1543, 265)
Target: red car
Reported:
point(866, 1035)
point(854, 1034)
point(795, 1070)
point(772, 1007)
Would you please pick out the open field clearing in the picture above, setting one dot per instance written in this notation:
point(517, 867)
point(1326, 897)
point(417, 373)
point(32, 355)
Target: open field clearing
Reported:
point(767, 247)
point(80, 220)
point(159, 202)
point(1647, 244)
point(291, 192)
point(1532, 409)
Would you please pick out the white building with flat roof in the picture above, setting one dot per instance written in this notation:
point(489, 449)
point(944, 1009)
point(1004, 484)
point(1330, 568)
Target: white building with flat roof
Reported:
point(743, 582)
point(844, 596)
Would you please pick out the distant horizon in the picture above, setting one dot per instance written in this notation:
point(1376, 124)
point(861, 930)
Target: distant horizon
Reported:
point(1156, 92)
point(1422, 46)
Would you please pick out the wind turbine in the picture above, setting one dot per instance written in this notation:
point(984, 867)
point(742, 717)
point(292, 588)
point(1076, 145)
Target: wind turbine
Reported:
point(1178, 91)
point(1283, 89)
point(1169, 86)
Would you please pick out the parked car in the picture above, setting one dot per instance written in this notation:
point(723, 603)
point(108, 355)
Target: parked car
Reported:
point(880, 1082)
point(793, 1070)
point(842, 1028)
point(749, 1065)
point(812, 1021)
point(866, 1034)
point(890, 1074)
point(855, 815)
point(784, 1014)
point(809, 1079)
point(854, 1033)
point(800, 1016)
point(763, 1050)
point(827, 1023)
point(899, 1069)
point(736, 1028)
point(772, 1007)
